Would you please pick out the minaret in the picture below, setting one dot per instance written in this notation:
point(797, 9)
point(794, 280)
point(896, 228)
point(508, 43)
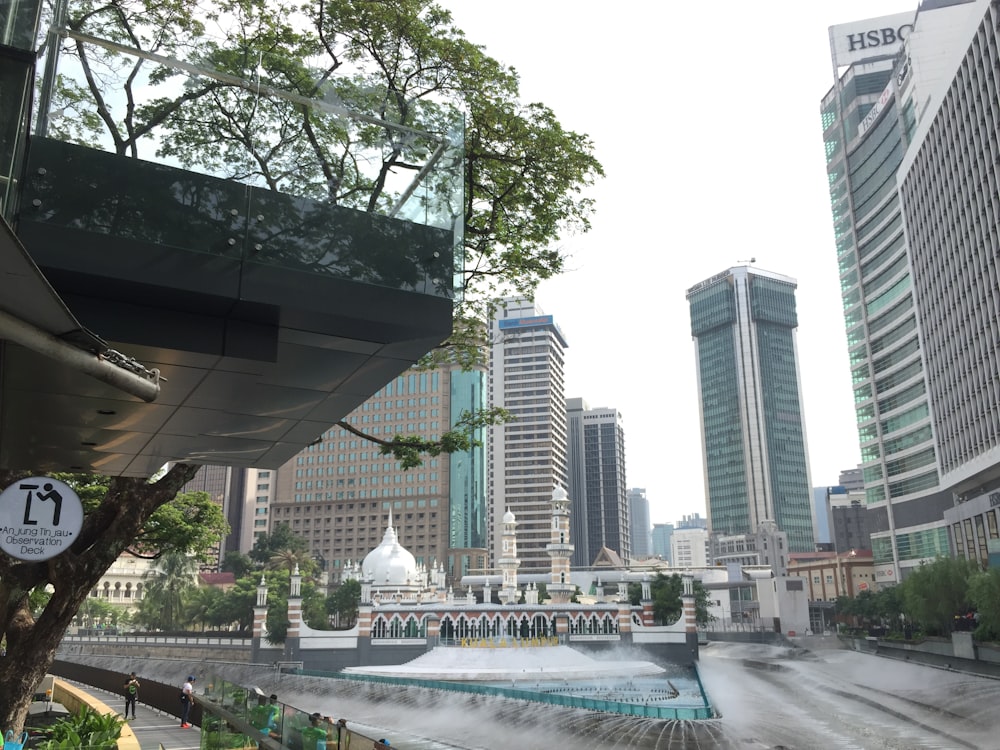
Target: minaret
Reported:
point(559, 549)
point(508, 562)
point(259, 618)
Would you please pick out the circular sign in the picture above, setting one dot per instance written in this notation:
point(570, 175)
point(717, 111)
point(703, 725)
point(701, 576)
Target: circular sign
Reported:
point(39, 518)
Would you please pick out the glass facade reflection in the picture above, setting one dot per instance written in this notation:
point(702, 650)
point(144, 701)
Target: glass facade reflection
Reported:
point(743, 322)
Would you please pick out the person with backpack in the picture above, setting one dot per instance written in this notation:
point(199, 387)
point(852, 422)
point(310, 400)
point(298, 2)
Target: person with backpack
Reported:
point(131, 689)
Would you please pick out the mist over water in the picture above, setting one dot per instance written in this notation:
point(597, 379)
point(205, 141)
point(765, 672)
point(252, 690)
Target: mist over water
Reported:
point(768, 697)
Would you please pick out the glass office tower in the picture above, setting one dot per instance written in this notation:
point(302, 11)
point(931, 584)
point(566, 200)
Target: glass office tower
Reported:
point(865, 122)
point(743, 321)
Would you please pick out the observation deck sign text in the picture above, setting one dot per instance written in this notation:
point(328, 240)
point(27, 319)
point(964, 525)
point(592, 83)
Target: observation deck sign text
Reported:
point(40, 517)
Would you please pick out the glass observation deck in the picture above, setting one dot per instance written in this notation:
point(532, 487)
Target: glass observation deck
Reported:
point(189, 192)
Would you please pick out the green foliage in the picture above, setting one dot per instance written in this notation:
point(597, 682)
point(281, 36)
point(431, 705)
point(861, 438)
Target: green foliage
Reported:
point(666, 592)
point(314, 609)
point(634, 594)
point(702, 616)
point(281, 539)
point(169, 586)
point(116, 516)
point(543, 592)
point(85, 729)
point(466, 433)
point(984, 593)
point(667, 603)
point(342, 604)
point(935, 592)
point(262, 114)
point(96, 610)
point(192, 523)
point(237, 563)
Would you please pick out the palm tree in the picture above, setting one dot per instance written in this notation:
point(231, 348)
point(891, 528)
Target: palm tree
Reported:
point(289, 559)
point(170, 581)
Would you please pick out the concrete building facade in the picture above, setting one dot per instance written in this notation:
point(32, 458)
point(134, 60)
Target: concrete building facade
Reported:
point(338, 493)
point(528, 457)
point(689, 548)
point(597, 482)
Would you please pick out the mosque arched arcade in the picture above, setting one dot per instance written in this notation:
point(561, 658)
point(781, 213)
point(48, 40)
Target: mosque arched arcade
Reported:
point(406, 610)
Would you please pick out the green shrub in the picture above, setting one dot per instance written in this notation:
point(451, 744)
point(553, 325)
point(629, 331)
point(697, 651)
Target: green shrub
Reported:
point(85, 729)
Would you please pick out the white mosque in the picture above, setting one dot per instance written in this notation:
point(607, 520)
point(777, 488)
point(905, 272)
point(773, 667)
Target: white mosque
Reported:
point(406, 611)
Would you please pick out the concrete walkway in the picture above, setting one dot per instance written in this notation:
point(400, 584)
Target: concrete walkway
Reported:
point(153, 729)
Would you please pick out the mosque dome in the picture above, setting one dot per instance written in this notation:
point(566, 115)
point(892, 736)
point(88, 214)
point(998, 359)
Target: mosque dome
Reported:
point(390, 563)
point(508, 517)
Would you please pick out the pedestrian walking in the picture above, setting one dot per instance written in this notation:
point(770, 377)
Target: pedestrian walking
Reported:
point(131, 689)
point(187, 700)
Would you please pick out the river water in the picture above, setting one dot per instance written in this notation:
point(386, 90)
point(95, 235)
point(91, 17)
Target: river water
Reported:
point(767, 697)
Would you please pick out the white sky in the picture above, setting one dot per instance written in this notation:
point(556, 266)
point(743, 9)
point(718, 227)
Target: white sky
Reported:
point(705, 116)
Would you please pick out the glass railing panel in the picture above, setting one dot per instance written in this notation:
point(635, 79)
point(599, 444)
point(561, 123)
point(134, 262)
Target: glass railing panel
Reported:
point(185, 156)
point(18, 22)
point(84, 189)
point(15, 87)
point(330, 240)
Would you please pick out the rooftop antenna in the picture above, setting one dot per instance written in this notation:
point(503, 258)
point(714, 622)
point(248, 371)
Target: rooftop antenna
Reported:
point(751, 261)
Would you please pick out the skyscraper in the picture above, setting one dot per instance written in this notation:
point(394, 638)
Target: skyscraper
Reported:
point(339, 492)
point(527, 456)
point(639, 528)
point(661, 534)
point(597, 482)
point(743, 321)
point(873, 119)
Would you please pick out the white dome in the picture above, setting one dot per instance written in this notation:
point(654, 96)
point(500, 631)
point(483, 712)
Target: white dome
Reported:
point(390, 563)
point(508, 517)
point(558, 494)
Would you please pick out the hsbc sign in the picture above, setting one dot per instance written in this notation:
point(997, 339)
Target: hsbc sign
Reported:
point(852, 42)
point(886, 37)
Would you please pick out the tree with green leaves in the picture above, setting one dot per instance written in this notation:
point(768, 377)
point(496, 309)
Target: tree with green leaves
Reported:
point(167, 590)
point(314, 609)
point(238, 602)
point(342, 604)
point(120, 514)
point(935, 592)
point(237, 563)
point(280, 78)
point(668, 605)
point(269, 110)
point(280, 540)
point(984, 593)
point(97, 611)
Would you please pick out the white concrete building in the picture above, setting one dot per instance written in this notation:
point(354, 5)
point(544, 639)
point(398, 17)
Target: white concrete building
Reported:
point(527, 457)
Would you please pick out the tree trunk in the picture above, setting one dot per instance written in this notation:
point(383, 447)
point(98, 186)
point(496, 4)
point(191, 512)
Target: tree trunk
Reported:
point(107, 532)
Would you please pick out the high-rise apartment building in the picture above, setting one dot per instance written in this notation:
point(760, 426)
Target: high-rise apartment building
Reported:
point(339, 492)
point(743, 321)
point(251, 495)
point(639, 528)
point(597, 482)
point(914, 256)
point(527, 456)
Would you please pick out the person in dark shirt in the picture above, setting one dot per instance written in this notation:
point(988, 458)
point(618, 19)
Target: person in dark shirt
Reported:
point(131, 693)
